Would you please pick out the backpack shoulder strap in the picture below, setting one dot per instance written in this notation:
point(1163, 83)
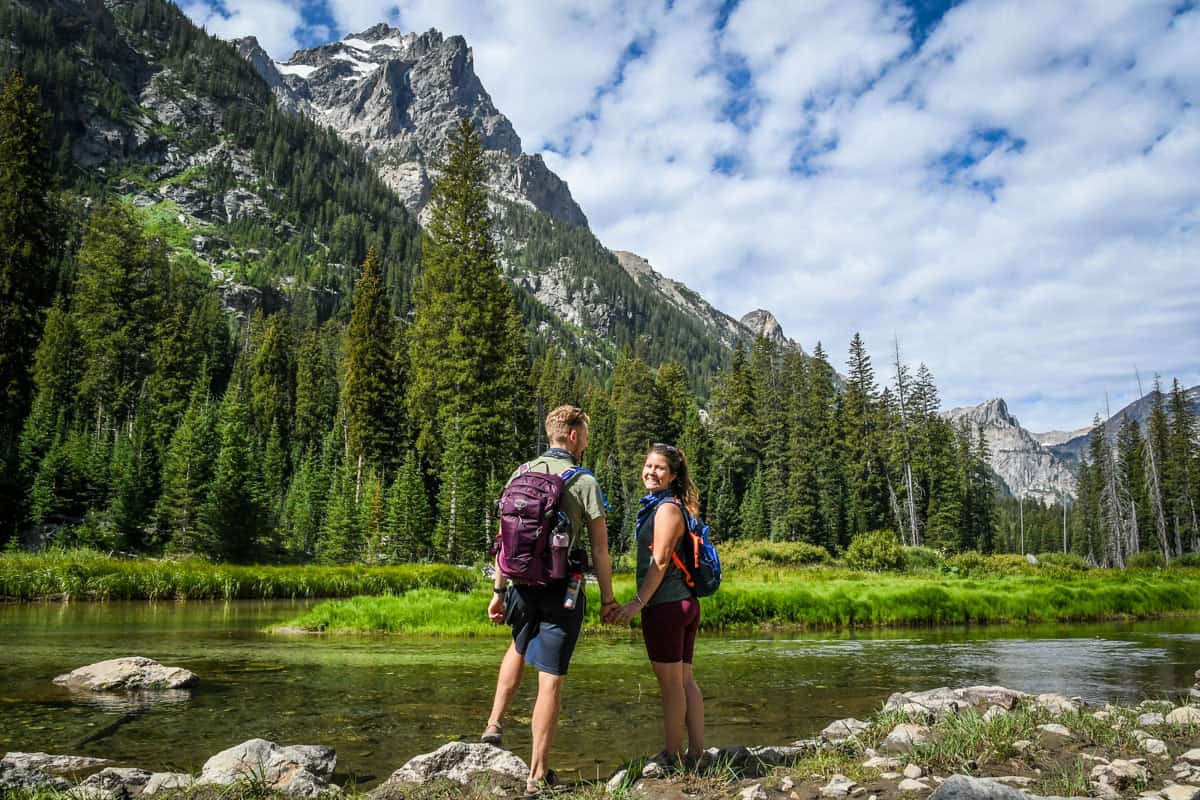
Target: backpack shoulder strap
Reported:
point(576, 471)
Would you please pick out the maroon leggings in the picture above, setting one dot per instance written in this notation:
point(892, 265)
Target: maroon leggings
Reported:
point(669, 630)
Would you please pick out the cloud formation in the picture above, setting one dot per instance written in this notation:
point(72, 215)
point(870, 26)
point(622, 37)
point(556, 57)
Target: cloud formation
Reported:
point(1008, 189)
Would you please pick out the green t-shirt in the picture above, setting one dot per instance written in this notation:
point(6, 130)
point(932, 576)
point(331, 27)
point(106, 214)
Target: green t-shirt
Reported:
point(581, 501)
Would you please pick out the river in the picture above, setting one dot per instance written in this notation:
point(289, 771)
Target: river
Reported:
point(381, 700)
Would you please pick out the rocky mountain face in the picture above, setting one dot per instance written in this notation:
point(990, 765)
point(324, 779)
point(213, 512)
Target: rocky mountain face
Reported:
point(761, 322)
point(1072, 447)
point(1028, 469)
point(726, 328)
point(399, 96)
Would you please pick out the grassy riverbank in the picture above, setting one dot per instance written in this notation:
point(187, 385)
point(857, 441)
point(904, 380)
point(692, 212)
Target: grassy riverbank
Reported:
point(89, 575)
point(819, 598)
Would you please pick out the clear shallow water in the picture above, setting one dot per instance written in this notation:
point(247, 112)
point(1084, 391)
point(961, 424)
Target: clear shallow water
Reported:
point(381, 700)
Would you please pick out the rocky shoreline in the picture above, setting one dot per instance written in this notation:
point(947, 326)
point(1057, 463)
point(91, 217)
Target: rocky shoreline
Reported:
point(973, 743)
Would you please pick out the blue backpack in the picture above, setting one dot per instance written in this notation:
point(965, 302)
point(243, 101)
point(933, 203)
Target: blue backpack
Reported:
point(700, 564)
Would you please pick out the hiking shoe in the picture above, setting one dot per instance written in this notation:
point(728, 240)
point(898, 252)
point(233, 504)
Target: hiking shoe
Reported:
point(548, 782)
point(492, 734)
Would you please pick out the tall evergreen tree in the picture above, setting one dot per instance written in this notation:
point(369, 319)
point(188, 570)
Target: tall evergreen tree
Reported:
point(467, 344)
point(371, 398)
point(460, 534)
point(187, 470)
point(233, 516)
point(409, 522)
point(861, 418)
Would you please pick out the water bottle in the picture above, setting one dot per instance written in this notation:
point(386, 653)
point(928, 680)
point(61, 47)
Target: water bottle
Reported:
point(560, 543)
point(574, 587)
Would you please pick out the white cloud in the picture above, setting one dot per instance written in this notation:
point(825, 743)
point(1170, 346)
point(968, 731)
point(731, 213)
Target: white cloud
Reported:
point(1015, 199)
point(276, 23)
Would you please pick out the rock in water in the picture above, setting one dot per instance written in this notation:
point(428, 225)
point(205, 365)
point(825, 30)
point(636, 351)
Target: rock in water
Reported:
point(842, 729)
point(302, 770)
point(460, 761)
point(135, 673)
point(51, 763)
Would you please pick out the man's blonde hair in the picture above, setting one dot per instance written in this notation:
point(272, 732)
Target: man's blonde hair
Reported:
point(562, 420)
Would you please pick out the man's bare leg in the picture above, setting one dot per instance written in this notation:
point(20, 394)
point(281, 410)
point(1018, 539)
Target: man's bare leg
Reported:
point(512, 669)
point(545, 722)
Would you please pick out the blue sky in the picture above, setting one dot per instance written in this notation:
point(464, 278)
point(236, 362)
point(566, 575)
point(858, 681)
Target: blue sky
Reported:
point(1008, 188)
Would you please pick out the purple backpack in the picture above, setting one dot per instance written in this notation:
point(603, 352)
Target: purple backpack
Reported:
point(531, 548)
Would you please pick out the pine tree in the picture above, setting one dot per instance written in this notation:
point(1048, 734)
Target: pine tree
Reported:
point(460, 535)
point(733, 426)
point(233, 517)
point(1181, 469)
point(371, 514)
point(341, 539)
point(409, 523)
point(641, 415)
point(28, 236)
point(187, 470)
point(753, 513)
point(671, 383)
point(316, 387)
point(467, 343)
point(370, 396)
point(861, 419)
point(122, 280)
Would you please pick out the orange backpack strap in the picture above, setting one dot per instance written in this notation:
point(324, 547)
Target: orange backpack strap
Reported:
point(687, 573)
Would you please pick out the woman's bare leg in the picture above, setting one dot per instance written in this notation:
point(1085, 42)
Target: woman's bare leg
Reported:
point(695, 713)
point(674, 703)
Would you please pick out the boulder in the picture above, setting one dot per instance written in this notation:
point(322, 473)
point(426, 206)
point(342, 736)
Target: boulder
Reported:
point(1190, 758)
point(460, 761)
point(1150, 719)
point(1059, 704)
point(839, 786)
point(1180, 791)
point(911, 786)
point(903, 738)
point(135, 673)
point(1184, 715)
point(302, 770)
point(1110, 780)
point(14, 778)
point(164, 781)
point(943, 700)
point(119, 781)
point(994, 713)
point(1155, 747)
point(842, 729)
point(962, 787)
point(1054, 733)
point(51, 763)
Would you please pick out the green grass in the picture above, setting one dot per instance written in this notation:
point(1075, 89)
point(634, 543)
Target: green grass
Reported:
point(89, 575)
point(817, 599)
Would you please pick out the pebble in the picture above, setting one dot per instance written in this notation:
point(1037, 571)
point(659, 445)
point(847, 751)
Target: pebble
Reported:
point(755, 792)
point(786, 785)
point(913, 771)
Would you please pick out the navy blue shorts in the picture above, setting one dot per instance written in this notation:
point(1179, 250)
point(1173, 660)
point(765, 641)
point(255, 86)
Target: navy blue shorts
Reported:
point(544, 632)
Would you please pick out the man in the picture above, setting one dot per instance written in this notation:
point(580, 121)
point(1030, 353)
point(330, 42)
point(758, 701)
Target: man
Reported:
point(544, 633)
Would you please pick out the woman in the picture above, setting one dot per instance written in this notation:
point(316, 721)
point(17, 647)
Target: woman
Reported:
point(670, 611)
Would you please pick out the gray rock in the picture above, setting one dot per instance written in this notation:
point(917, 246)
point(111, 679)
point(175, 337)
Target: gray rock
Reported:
point(1058, 704)
point(754, 792)
point(777, 755)
point(910, 786)
point(1184, 715)
point(1148, 720)
point(119, 781)
point(615, 782)
point(51, 763)
point(839, 786)
point(943, 700)
point(242, 204)
point(1180, 791)
point(962, 787)
point(994, 713)
point(14, 778)
point(842, 729)
point(460, 761)
point(1112, 779)
point(1155, 747)
point(301, 770)
point(135, 673)
point(882, 763)
point(903, 738)
point(1054, 732)
point(1190, 757)
point(162, 781)
point(913, 771)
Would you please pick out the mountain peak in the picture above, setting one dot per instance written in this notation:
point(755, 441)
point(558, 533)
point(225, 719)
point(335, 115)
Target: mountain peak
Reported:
point(762, 323)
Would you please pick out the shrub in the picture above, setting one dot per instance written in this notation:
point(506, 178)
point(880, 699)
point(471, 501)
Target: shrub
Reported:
point(875, 551)
point(923, 558)
point(971, 563)
point(748, 555)
point(1147, 559)
point(1187, 560)
point(1070, 561)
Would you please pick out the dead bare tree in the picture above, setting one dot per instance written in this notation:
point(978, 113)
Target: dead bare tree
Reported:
point(1110, 501)
point(1156, 504)
point(901, 397)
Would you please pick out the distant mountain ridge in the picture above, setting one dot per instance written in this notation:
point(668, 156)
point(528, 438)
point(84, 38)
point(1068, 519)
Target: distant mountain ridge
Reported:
point(1027, 469)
